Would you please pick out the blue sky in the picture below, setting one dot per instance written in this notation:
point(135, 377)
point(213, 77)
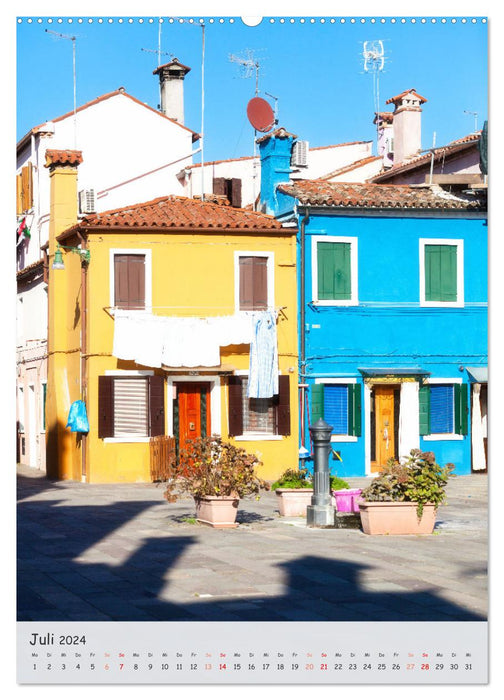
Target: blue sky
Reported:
point(315, 70)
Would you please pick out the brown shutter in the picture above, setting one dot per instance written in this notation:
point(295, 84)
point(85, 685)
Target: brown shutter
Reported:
point(105, 407)
point(19, 193)
point(283, 409)
point(156, 406)
point(219, 185)
point(129, 281)
point(253, 273)
point(236, 192)
point(27, 187)
point(235, 406)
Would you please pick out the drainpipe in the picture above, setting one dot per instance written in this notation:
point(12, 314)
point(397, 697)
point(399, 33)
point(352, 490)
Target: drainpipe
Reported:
point(84, 378)
point(302, 302)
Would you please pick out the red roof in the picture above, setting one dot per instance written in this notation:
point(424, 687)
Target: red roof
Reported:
point(62, 157)
point(359, 195)
point(280, 133)
point(175, 62)
point(178, 213)
point(398, 98)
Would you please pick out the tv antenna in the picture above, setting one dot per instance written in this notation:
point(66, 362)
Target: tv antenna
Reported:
point(273, 97)
point(249, 65)
point(374, 62)
point(158, 50)
point(475, 115)
point(73, 39)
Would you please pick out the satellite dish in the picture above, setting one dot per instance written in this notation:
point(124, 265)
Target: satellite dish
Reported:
point(260, 114)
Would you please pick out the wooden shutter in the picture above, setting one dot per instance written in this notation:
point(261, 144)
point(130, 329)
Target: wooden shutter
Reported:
point(355, 409)
point(156, 406)
point(19, 193)
point(235, 406)
point(236, 192)
point(333, 271)
point(27, 186)
point(440, 273)
point(219, 186)
point(253, 271)
point(424, 409)
point(129, 281)
point(105, 407)
point(317, 402)
point(461, 409)
point(283, 406)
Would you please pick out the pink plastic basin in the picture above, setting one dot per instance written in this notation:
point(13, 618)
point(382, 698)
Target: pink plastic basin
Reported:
point(346, 500)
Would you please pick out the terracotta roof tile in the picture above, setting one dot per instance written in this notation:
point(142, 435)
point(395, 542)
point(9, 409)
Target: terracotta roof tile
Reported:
point(63, 157)
point(174, 62)
point(351, 166)
point(359, 195)
point(179, 212)
point(384, 116)
point(280, 133)
point(397, 98)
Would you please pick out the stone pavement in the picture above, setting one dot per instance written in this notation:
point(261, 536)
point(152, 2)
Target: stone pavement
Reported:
point(93, 552)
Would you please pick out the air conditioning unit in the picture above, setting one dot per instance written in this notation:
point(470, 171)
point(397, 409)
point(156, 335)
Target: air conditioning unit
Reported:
point(299, 157)
point(87, 202)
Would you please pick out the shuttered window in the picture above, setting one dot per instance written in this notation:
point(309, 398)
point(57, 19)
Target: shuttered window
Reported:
point(334, 271)
point(444, 409)
point(129, 281)
point(258, 416)
point(253, 271)
point(441, 273)
point(130, 407)
point(230, 188)
point(24, 189)
point(340, 405)
point(441, 408)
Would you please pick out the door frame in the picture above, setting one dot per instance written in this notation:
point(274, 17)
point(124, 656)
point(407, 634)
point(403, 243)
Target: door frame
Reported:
point(215, 399)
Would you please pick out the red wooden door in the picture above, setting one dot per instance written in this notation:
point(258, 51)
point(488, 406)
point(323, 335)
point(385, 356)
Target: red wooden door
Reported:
point(193, 410)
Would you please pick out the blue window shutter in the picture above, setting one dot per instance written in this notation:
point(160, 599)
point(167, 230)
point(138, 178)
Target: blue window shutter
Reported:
point(442, 408)
point(336, 407)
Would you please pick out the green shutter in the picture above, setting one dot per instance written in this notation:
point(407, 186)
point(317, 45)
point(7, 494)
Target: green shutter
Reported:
point(440, 273)
point(461, 409)
point(355, 409)
point(424, 403)
point(317, 402)
point(333, 271)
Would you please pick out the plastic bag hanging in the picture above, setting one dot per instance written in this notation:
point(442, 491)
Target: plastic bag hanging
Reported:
point(77, 418)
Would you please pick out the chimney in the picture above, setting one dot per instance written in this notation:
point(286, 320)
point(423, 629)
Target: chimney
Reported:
point(407, 125)
point(275, 150)
point(171, 87)
point(385, 129)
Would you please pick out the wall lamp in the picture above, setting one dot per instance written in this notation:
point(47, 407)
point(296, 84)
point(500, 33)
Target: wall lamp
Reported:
point(83, 253)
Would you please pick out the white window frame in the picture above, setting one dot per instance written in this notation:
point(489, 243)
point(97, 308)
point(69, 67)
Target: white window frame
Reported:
point(354, 277)
point(255, 437)
point(459, 243)
point(270, 271)
point(148, 278)
point(339, 380)
point(433, 437)
point(128, 373)
point(42, 416)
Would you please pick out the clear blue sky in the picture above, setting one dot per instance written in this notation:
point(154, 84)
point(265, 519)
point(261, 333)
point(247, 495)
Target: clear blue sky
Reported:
point(315, 70)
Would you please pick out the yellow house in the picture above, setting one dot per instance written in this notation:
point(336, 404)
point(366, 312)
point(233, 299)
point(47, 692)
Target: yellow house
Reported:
point(172, 317)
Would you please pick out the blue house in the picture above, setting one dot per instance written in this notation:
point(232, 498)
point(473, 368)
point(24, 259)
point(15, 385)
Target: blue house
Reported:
point(392, 314)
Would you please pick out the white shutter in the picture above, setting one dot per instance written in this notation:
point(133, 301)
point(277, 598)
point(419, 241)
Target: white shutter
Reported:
point(131, 403)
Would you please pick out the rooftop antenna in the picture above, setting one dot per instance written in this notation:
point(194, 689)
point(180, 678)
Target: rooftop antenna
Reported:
point(158, 50)
point(276, 105)
point(374, 61)
point(73, 39)
point(475, 115)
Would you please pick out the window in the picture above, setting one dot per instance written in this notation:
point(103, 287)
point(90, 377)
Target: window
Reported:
point(130, 407)
point(254, 281)
point(231, 188)
point(258, 417)
point(334, 270)
point(339, 404)
point(441, 272)
point(130, 279)
point(443, 409)
point(24, 189)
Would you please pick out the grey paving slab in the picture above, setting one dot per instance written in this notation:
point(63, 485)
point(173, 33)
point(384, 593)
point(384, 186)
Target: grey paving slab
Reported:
point(121, 552)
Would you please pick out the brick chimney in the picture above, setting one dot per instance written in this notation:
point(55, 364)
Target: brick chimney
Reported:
point(407, 122)
point(171, 87)
point(275, 150)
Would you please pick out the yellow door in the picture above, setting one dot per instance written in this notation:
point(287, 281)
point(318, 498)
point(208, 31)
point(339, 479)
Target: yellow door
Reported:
point(384, 426)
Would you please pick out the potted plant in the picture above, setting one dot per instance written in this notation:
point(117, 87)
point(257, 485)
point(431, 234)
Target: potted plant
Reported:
point(404, 497)
point(294, 490)
point(345, 498)
point(216, 474)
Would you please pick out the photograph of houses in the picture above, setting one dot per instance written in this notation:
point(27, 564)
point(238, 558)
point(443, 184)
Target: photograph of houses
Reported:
point(248, 267)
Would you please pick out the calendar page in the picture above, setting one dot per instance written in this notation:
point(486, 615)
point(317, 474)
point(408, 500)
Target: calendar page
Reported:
point(252, 375)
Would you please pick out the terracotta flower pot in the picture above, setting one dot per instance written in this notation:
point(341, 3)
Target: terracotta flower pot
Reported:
point(392, 518)
point(347, 500)
point(293, 502)
point(217, 511)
